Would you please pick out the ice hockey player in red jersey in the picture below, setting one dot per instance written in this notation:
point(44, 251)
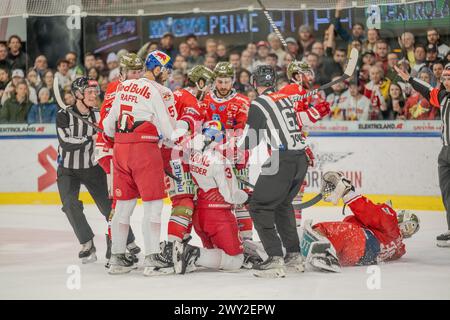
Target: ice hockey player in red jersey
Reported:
point(229, 107)
point(131, 67)
point(213, 219)
point(141, 116)
point(374, 233)
point(181, 191)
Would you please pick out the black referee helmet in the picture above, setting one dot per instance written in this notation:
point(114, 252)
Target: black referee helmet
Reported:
point(263, 76)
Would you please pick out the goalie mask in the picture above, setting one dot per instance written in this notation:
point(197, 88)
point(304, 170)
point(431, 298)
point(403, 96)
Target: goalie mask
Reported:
point(300, 73)
point(201, 77)
point(408, 223)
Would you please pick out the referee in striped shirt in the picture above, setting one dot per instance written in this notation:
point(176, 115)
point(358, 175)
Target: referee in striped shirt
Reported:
point(272, 119)
point(76, 165)
point(438, 98)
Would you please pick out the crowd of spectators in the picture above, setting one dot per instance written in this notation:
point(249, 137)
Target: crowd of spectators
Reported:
point(374, 93)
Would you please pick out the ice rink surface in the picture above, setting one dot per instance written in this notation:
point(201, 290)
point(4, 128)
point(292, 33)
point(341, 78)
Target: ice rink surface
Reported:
point(38, 249)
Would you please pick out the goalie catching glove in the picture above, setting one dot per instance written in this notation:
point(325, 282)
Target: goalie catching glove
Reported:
point(335, 186)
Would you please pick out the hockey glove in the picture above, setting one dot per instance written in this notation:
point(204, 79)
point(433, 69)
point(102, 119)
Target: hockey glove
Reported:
point(310, 156)
point(319, 111)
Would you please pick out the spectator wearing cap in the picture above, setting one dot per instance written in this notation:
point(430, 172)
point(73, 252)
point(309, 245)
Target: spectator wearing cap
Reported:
point(44, 111)
point(15, 109)
point(420, 58)
point(276, 47)
point(262, 52)
point(372, 36)
point(112, 62)
point(222, 52)
point(75, 69)
point(62, 73)
point(431, 55)
point(293, 48)
point(305, 39)
point(433, 37)
point(406, 42)
point(4, 60)
point(18, 58)
point(166, 44)
point(17, 76)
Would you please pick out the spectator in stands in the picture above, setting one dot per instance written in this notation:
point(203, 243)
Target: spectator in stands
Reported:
point(15, 109)
point(381, 52)
point(94, 74)
point(242, 84)
point(180, 63)
point(305, 39)
point(44, 111)
point(47, 82)
point(247, 61)
point(222, 52)
point(356, 44)
point(40, 65)
point(33, 79)
point(210, 61)
point(313, 60)
point(184, 50)
point(356, 106)
point(89, 61)
point(251, 94)
point(17, 76)
point(235, 60)
point(62, 74)
point(263, 50)
point(166, 45)
point(426, 75)
point(18, 58)
point(293, 48)
point(251, 47)
point(369, 58)
point(147, 48)
point(75, 69)
point(431, 55)
point(100, 66)
point(288, 58)
point(419, 57)
point(195, 52)
point(392, 60)
point(433, 37)
point(364, 75)
point(403, 64)
point(211, 46)
point(332, 64)
point(377, 90)
point(438, 68)
point(4, 80)
point(393, 109)
point(406, 42)
point(112, 61)
point(276, 47)
point(4, 60)
point(372, 36)
point(419, 108)
point(177, 80)
point(357, 32)
point(337, 98)
point(69, 99)
point(272, 60)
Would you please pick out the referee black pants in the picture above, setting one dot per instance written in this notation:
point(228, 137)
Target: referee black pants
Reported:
point(271, 204)
point(444, 179)
point(69, 183)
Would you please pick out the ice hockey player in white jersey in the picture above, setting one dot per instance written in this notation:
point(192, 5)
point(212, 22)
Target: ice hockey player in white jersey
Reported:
point(142, 114)
point(213, 220)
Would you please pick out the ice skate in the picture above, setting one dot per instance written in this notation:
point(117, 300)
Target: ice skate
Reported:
point(443, 240)
point(87, 253)
point(159, 263)
point(108, 251)
point(294, 261)
point(184, 256)
point(120, 264)
point(273, 267)
point(325, 263)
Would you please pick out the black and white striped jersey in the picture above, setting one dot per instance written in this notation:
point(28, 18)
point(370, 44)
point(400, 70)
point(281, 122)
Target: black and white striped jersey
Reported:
point(76, 147)
point(272, 118)
point(438, 97)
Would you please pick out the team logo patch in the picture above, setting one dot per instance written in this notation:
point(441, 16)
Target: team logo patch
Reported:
point(221, 108)
point(162, 57)
point(216, 117)
point(166, 96)
point(118, 192)
point(212, 106)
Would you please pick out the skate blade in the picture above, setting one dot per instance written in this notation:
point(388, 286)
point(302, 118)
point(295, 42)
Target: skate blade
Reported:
point(91, 259)
point(270, 273)
point(443, 244)
point(319, 266)
point(119, 269)
point(155, 271)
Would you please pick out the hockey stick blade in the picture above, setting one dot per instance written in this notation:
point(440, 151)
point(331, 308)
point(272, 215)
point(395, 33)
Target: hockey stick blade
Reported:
point(62, 105)
point(309, 203)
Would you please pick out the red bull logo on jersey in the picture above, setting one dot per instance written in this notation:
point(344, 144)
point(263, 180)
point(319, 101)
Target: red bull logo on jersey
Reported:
point(134, 88)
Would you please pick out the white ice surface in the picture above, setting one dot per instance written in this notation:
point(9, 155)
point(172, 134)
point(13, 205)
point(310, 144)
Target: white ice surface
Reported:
point(37, 246)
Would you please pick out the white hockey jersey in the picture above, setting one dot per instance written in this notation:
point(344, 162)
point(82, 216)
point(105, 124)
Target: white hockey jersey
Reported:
point(142, 100)
point(214, 175)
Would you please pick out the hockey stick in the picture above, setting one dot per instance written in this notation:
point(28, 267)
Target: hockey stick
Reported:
point(351, 66)
point(69, 109)
point(272, 23)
